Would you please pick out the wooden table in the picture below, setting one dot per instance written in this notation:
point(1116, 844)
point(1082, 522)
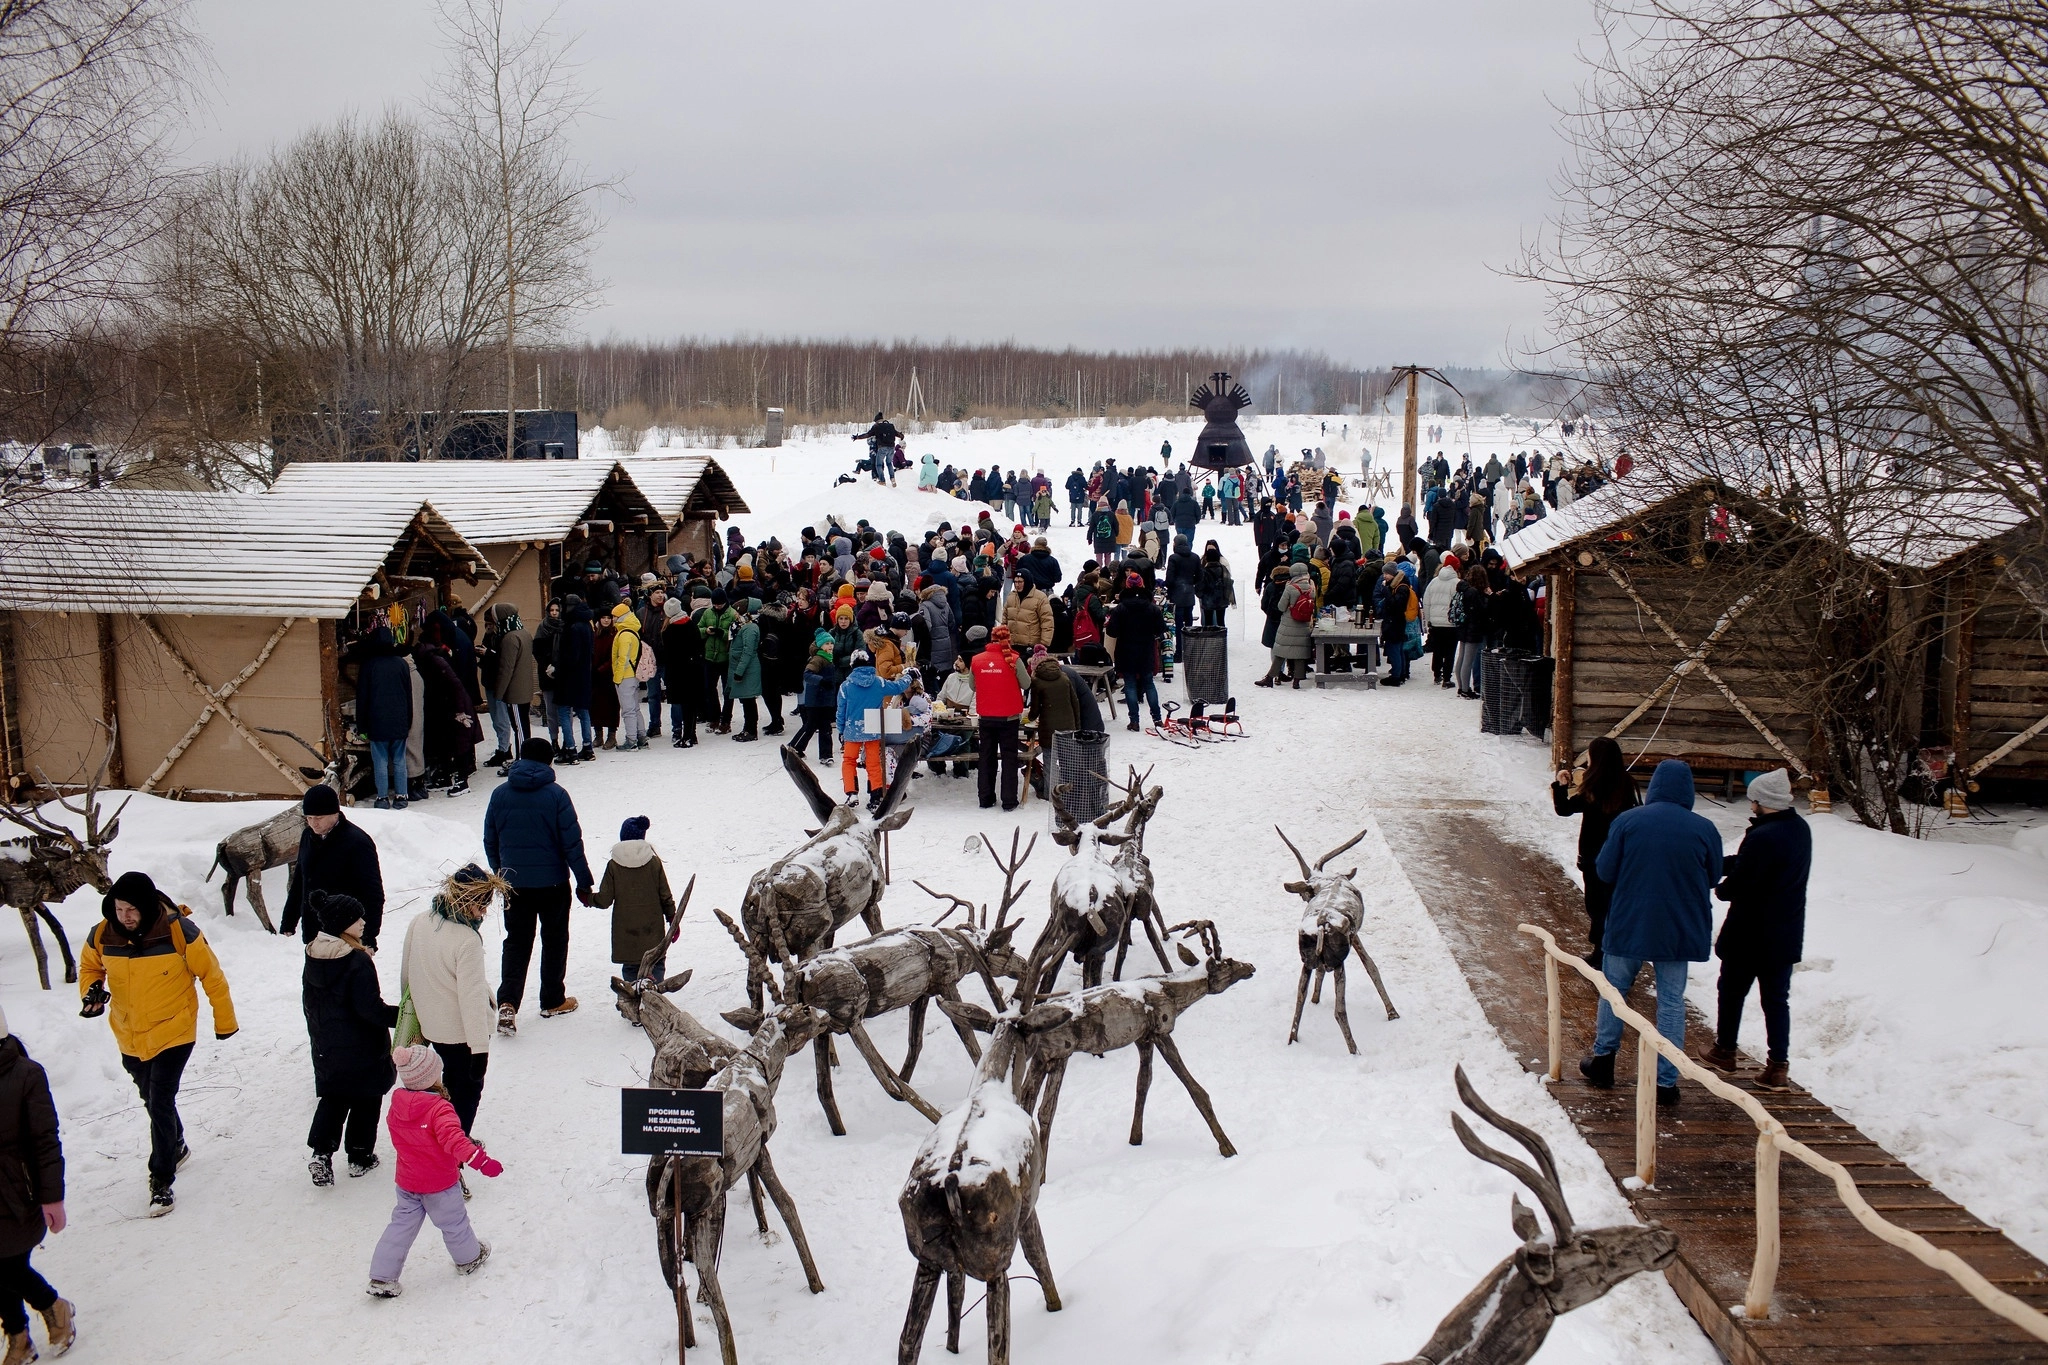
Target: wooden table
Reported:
point(1100, 680)
point(969, 728)
point(1325, 640)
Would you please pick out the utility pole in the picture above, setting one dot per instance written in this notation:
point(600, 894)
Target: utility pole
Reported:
point(1408, 445)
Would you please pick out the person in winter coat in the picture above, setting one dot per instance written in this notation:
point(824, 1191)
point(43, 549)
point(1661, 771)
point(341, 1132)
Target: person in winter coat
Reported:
point(1436, 616)
point(432, 1147)
point(859, 717)
point(1134, 629)
point(604, 693)
point(572, 679)
point(1040, 567)
point(1663, 861)
point(337, 856)
point(153, 1007)
point(347, 1023)
point(1126, 528)
point(547, 637)
point(715, 624)
point(635, 889)
point(1214, 586)
point(1394, 600)
point(1028, 614)
point(1055, 704)
point(818, 700)
point(31, 1201)
point(928, 473)
point(513, 681)
point(682, 659)
point(1187, 512)
point(999, 683)
point(442, 969)
point(1291, 633)
point(1472, 607)
point(1605, 791)
point(533, 841)
point(1102, 527)
point(625, 678)
point(743, 670)
point(1764, 935)
point(384, 715)
point(451, 729)
point(936, 642)
point(1183, 583)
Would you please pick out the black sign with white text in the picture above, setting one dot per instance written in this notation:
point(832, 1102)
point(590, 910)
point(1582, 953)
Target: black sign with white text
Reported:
point(672, 1122)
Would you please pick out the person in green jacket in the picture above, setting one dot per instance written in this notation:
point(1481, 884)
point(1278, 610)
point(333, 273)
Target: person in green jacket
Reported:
point(743, 670)
point(715, 626)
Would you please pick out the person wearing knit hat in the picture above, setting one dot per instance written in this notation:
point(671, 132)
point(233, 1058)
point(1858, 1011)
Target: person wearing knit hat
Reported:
point(432, 1148)
point(337, 856)
point(36, 1200)
point(346, 1022)
point(818, 699)
point(443, 970)
point(1764, 935)
point(635, 889)
point(138, 967)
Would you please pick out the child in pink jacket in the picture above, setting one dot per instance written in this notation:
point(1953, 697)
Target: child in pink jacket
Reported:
point(432, 1149)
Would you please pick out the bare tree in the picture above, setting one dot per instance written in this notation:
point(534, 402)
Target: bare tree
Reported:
point(509, 97)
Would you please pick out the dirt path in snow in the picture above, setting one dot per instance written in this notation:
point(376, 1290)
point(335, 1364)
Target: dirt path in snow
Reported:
point(1838, 1287)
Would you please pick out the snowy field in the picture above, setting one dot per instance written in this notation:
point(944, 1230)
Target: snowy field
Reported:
point(1348, 1225)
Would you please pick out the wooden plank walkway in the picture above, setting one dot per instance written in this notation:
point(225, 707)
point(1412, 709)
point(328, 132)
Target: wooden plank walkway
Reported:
point(1842, 1295)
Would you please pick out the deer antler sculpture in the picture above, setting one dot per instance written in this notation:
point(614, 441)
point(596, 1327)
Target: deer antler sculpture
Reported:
point(52, 861)
point(1100, 892)
point(1329, 934)
point(1505, 1320)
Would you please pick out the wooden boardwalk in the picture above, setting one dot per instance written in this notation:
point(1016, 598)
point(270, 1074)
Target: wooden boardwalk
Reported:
point(1842, 1295)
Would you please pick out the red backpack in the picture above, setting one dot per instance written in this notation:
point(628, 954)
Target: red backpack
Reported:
point(1304, 608)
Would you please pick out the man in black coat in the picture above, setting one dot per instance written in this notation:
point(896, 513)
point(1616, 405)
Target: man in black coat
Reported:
point(31, 1199)
point(1763, 937)
point(337, 857)
point(1040, 568)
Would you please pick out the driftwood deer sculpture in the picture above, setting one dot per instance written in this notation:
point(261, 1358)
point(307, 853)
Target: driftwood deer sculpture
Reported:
point(896, 969)
point(971, 1199)
point(1329, 935)
point(51, 862)
point(253, 850)
point(1101, 891)
point(1102, 1019)
point(1506, 1318)
point(691, 1191)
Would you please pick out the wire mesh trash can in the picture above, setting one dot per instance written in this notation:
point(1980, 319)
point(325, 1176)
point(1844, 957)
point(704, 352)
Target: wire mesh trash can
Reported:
point(1490, 690)
point(1515, 694)
point(1080, 762)
point(1205, 663)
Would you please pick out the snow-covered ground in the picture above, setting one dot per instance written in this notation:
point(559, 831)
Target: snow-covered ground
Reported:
point(1348, 1225)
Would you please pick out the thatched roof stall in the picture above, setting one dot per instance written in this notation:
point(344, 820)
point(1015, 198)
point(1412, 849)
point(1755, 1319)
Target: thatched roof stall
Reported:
point(533, 519)
point(693, 492)
point(203, 627)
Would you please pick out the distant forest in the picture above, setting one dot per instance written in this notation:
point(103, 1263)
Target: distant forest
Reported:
point(726, 387)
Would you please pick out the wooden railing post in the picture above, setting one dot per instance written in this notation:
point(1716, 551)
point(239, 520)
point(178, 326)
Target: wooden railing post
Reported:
point(1550, 983)
point(1646, 1108)
point(1763, 1275)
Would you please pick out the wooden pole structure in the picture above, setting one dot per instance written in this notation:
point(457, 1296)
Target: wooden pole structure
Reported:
point(110, 700)
point(1957, 800)
point(1408, 446)
point(1556, 1011)
point(1763, 1272)
point(1564, 593)
point(1646, 1106)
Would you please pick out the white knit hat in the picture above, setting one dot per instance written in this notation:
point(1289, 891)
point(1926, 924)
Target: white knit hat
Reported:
point(1772, 790)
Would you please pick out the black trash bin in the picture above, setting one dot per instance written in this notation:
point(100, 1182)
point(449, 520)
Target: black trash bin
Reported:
point(1516, 684)
point(1490, 679)
point(1205, 663)
point(1080, 762)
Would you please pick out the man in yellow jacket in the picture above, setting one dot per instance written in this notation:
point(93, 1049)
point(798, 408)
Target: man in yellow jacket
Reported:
point(626, 678)
point(138, 968)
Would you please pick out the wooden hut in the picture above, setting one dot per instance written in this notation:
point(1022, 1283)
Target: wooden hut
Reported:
point(201, 627)
point(534, 520)
point(693, 492)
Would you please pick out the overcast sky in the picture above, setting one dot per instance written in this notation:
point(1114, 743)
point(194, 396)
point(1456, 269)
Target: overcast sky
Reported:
point(1347, 175)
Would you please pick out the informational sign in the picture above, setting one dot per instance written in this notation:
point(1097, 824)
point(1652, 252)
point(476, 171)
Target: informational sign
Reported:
point(672, 1122)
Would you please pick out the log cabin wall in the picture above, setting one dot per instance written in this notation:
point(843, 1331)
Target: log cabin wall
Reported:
point(2005, 689)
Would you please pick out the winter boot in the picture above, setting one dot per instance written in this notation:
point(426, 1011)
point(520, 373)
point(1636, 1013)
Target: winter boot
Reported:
point(483, 1251)
point(745, 737)
point(362, 1165)
point(1598, 1069)
point(161, 1200)
point(497, 759)
point(853, 798)
point(677, 743)
point(322, 1168)
point(458, 786)
point(384, 1289)
point(566, 758)
point(20, 1350)
point(586, 754)
point(1722, 1058)
point(60, 1324)
point(568, 1006)
point(1775, 1076)
point(774, 729)
point(1667, 1097)
point(508, 1020)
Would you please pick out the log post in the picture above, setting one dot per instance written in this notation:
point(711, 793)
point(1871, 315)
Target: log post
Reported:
point(110, 700)
point(335, 731)
point(1957, 801)
point(1646, 1107)
point(1763, 1275)
point(1564, 591)
point(1408, 452)
point(675, 1185)
point(1550, 985)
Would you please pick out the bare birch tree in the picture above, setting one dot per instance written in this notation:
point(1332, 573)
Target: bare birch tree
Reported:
point(509, 97)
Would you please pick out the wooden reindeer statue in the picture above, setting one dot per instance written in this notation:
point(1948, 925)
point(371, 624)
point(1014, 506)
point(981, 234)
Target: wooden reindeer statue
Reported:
point(893, 970)
point(1104, 1018)
point(51, 862)
point(971, 1199)
point(1505, 1319)
point(691, 1191)
point(254, 849)
point(1329, 935)
point(1100, 892)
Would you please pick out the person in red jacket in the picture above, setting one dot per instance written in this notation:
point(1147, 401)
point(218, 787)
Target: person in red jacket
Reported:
point(999, 683)
point(432, 1150)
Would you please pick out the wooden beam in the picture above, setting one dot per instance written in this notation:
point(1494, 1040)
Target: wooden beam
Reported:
point(336, 736)
point(13, 761)
point(110, 700)
point(1564, 595)
point(1966, 650)
point(504, 577)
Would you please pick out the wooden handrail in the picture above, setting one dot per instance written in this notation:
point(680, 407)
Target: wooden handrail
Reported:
point(1772, 1139)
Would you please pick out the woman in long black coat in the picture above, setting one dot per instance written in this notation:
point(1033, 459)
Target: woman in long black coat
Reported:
point(572, 677)
point(451, 731)
point(348, 1022)
point(31, 1196)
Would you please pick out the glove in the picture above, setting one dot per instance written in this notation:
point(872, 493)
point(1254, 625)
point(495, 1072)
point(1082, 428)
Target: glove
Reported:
point(94, 1002)
point(485, 1164)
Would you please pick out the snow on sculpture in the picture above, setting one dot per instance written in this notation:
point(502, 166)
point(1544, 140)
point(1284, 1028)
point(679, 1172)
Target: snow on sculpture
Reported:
point(1097, 896)
point(1329, 934)
point(52, 862)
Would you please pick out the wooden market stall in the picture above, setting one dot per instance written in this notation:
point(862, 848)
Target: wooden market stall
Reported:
point(1987, 717)
point(534, 520)
point(197, 626)
point(693, 492)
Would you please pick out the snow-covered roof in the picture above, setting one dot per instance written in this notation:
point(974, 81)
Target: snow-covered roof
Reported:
point(490, 501)
point(1597, 514)
point(212, 554)
point(679, 484)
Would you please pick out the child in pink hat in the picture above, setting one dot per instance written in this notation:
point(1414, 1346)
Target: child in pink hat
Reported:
point(432, 1149)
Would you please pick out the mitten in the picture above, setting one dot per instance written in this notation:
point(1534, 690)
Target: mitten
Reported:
point(486, 1164)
